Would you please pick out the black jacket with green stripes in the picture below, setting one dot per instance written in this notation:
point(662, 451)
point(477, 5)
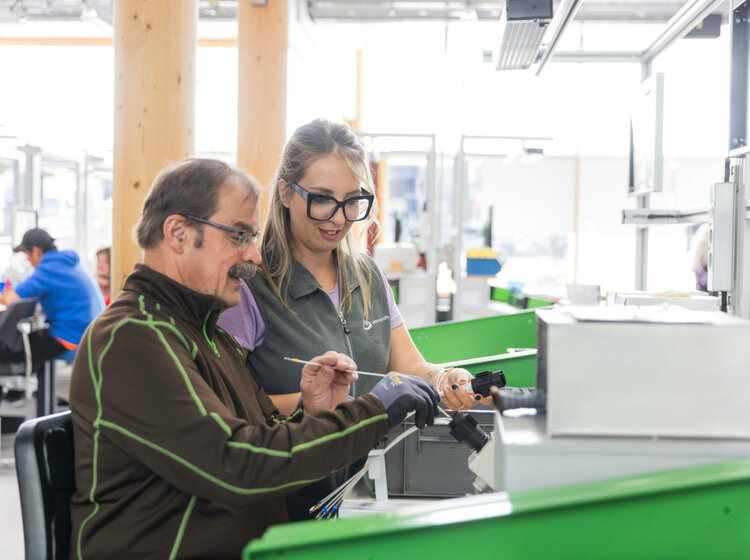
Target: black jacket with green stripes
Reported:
point(179, 454)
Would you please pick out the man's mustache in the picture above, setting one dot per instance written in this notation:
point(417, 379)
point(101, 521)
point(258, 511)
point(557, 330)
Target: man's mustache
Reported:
point(244, 270)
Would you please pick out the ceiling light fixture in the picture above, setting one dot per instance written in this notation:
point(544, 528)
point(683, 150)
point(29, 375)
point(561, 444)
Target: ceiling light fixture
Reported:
point(525, 23)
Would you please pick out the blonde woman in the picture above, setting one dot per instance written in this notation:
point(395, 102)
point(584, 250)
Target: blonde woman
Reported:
point(315, 290)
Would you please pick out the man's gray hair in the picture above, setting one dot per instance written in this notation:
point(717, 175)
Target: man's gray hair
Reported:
point(189, 187)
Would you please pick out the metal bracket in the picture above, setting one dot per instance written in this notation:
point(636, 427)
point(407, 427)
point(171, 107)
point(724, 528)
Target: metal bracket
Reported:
point(649, 216)
point(376, 472)
point(25, 327)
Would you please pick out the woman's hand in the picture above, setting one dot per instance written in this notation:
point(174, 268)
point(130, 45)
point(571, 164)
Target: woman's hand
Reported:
point(454, 396)
point(326, 386)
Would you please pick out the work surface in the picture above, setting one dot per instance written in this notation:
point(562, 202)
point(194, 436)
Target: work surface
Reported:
point(697, 512)
point(567, 497)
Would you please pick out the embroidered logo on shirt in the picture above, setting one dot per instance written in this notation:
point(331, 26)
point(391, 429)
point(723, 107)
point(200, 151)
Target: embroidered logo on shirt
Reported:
point(367, 325)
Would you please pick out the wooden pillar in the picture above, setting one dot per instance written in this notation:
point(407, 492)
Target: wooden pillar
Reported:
point(356, 123)
point(381, 191)
point(360, 92)
point(262, 44)
point(155, 48)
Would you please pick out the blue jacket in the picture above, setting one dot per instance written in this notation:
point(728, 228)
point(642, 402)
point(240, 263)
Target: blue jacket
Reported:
point(69, 297)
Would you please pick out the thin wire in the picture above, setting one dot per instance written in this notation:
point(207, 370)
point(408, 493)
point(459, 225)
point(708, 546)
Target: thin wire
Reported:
point(297, 360)
point(335, 498)
point(466, 387)
point(328, 506)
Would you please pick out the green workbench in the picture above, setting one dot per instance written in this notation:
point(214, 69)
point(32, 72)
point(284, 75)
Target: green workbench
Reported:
point(482, 344)
point(696, 512)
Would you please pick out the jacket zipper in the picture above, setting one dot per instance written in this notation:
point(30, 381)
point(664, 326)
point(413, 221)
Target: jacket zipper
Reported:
point(347, 330)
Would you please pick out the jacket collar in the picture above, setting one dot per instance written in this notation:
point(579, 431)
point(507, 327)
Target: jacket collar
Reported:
point(303, 283)
point(175, 298)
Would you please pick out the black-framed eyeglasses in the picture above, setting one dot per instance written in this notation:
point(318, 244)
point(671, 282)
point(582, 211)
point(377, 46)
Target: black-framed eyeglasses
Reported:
point(240, 237)
point(322, 207)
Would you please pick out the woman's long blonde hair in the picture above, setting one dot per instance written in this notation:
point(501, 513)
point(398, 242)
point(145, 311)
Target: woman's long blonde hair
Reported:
point(317, 139)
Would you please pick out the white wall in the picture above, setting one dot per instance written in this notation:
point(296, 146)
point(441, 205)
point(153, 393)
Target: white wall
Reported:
point(533, 199)
point(538, 200)
point(606, 247)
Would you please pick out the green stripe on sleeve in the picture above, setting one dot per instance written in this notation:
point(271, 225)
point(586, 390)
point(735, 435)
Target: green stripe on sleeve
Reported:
point(200, 472)
point(342, 433)
point(309, 444)
point(220, 422)
point(95, 458)
point(183, 526)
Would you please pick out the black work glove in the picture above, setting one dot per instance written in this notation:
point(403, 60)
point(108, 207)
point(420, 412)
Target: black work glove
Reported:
point(400, 394)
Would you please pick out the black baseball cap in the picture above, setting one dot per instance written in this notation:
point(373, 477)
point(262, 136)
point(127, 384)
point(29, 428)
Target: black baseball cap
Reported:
point(35, 238)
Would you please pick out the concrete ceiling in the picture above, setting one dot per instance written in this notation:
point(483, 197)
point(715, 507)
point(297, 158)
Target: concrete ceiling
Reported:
point(636, 11)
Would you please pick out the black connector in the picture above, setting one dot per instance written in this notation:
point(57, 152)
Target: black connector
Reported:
point(482, 382)
point(465, 429)
point(520, 397)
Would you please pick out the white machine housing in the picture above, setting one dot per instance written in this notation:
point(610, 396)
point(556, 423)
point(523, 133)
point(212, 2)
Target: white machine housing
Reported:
point(721, 238)
point(644, 371)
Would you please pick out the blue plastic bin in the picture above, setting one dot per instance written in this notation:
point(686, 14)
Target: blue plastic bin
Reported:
point(482, 267)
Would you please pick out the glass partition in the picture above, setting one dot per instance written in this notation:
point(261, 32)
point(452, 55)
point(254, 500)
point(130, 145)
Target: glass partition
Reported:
point(58, 201)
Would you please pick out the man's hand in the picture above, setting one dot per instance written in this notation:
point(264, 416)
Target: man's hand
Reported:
point(8, 295)
point(324, 387)
point(400, 394)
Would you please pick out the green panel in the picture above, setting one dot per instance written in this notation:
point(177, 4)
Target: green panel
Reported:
point(697, 512)
point(462, 340)
point(512, 297)
point(394, 288)
point(499, 294)
point(537, 302)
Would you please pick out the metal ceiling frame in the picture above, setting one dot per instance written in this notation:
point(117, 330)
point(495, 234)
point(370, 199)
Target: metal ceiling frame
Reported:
point(690, 15)
point(566, 12)
point(680, 24)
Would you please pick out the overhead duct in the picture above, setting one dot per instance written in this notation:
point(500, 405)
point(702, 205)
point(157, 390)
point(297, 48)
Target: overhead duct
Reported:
point(525, 23)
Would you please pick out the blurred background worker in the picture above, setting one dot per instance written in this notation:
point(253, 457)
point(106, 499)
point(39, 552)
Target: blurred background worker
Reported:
point(103, 272)
point(69, 298)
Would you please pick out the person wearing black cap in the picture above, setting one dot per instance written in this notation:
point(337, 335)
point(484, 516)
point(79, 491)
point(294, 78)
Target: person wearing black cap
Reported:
point(70, 299)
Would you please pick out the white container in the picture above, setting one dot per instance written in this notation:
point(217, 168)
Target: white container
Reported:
point(628, 371)
point(697, 301)
point(584, 294)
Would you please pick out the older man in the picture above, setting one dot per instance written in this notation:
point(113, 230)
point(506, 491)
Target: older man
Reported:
point(178, 452)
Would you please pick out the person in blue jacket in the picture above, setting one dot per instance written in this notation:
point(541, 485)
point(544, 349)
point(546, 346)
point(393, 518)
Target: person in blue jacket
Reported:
point(70, 299)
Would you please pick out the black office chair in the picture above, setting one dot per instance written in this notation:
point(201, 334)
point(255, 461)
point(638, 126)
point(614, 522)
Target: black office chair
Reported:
point(14, 340)
point(46, 481)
